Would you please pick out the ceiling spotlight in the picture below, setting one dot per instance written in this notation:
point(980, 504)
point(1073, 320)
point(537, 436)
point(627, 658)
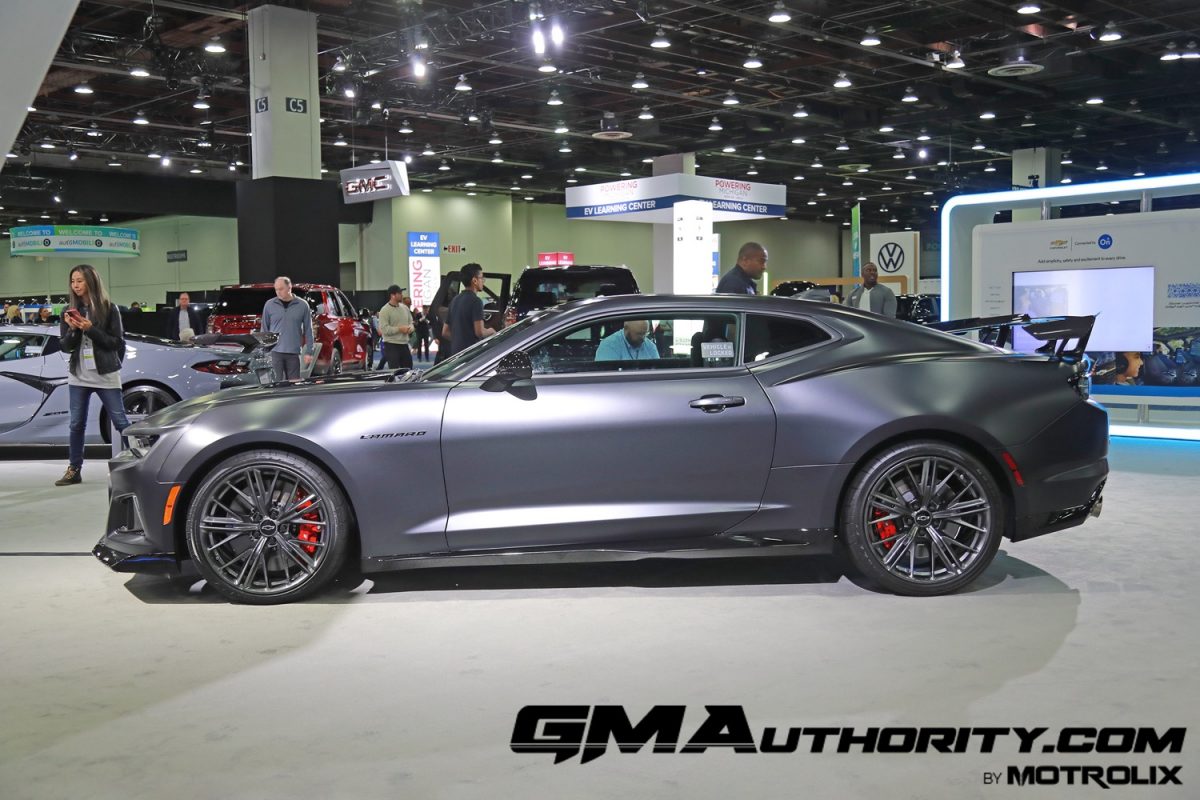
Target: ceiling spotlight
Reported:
point(956, 61)
point(497, 158)
point(547, 67)
point(821, 193)
point(46, 144)
point(539, 40)
point(165, 160)
point(1028, 7)
point(801, 112)
point(349, 90)
point(1139, 173)
point(909, 96)
point(923, 136)
point(72, 155)
point(1079, 133)
point(646, 113)
point(140, 118)
point(870, 39)
point(462, 85)
point(204, 142)
point(1066, 159)
point(886, 127)
point(377, 105)
point(988, 115)
point(428, 151)
point(752, 61)
point(978, 145)
point(1094, 101)
point(1111, 33)
point(443, 167)
point(752, 171)
point(758, 156)
point(113, 162)
point(728, 149)
point(731, 99)
point(798, 140)
point(1190, 51)
point(715, 125)
point(818, 164)
point(554, 99)
point(375, 159)
point(339, 64)
point(407, 158)
point(842, 81)
point(139, 72)
point(1028, 122)
point(94, 130)
point(83, 88)
point(898, 155)
point(660, 41)
point(57, 198)
point(201, 101)
point(1162, 149)
point(419, 68)
point(1101, 167)
point(405, 128)
point(639, 82)
point(195, 170)
point(564, 148)
point(1171, 53)
point(847, 182)
point(863, 169)
point(557, 36)
point(1065, 179)
point(990, 167)
point(561, 128)
point(214, 45)
point(495, 139)
point(1191, 137)
point(886, 187)
point(911, 176)
point(842, 145)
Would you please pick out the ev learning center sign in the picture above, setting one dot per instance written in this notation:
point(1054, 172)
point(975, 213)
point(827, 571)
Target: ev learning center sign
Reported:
point(49, 240)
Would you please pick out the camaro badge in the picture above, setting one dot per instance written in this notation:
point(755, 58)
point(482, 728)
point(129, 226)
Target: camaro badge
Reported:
point(391, 435)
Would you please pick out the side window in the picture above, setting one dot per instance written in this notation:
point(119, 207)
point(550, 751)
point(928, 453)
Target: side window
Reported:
point(14, 347)
point(343, 306)
point(627, 343)
point(768, 336)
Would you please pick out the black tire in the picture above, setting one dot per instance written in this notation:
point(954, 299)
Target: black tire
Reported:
point(898, 523)
point(254, 539)
point(335, 363)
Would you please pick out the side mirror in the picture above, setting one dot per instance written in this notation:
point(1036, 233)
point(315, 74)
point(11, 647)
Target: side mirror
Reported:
point(512, 368)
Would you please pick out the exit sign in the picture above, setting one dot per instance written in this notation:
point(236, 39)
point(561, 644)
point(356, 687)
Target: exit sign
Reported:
point(454, 248)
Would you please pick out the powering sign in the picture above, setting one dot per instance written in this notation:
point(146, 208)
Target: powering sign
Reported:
point(374, 182)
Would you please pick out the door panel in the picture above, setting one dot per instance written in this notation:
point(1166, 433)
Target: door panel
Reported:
point(603, 458)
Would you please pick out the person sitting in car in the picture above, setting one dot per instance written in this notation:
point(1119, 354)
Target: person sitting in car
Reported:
point(627, 344)
point(46, 315)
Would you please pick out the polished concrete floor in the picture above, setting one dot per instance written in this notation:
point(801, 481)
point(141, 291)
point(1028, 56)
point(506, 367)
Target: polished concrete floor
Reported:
point(114, 686)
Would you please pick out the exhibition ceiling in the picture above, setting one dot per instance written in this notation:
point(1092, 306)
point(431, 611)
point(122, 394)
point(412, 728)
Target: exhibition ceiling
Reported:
point(902, 103)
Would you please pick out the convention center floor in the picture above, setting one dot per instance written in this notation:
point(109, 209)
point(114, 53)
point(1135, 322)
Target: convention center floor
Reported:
point(408, 685)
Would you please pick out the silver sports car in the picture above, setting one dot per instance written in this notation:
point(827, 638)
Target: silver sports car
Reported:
point(628, 427)
point(34, 406)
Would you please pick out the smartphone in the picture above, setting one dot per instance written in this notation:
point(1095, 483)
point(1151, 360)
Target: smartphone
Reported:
point(73, 312)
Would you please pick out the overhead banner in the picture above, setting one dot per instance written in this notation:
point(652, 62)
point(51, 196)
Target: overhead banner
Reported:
point(856, 240)
point(48, 240)
point(652, 199)
point(898, 255)
point(424, 266)
point(374, 182)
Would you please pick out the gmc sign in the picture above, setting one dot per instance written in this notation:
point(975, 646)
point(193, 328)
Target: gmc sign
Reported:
point(370, 185)
point(374, 182)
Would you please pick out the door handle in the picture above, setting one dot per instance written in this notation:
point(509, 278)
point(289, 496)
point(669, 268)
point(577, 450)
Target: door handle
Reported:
point(714, 404)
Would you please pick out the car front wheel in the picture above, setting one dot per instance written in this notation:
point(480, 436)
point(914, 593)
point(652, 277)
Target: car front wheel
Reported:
point(267, 527)
point(922, 518)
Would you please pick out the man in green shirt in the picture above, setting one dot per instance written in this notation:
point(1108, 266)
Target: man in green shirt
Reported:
point(396, 323)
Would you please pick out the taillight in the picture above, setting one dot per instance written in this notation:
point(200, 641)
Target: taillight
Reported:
point(222, 367)
point(1081, 379)
point(1011, 463)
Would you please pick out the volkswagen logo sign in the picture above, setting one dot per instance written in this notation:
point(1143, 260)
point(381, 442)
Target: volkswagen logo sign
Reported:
point(1105, 241)
point(891, 257)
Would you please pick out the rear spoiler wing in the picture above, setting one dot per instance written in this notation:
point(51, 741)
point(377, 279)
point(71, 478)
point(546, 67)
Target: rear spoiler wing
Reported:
point(249, 342)
point(1066, 338)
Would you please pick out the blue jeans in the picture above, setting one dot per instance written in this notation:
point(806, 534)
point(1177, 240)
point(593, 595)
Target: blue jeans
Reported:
point(113, 404)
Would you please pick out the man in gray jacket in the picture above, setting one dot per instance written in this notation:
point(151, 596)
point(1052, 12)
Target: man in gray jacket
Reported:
point(291, 319)
point(873, 296)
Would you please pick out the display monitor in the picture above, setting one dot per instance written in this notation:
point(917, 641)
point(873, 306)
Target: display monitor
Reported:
point(1122, 298)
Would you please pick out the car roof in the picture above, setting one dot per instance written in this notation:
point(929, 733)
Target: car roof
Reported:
point(576, 268)
point(306, 286)
point(30, 327)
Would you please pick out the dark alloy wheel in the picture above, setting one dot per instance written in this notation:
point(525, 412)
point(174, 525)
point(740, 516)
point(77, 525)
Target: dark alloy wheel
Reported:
point(268, 527)
point(141, 400)
point(335, 363)
point(922, 518)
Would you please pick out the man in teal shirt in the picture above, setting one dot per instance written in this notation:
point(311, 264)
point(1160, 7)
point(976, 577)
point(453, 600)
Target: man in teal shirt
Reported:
point(627, 344)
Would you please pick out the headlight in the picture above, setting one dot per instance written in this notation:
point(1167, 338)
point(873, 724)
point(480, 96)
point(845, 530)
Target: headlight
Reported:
point(140, 443)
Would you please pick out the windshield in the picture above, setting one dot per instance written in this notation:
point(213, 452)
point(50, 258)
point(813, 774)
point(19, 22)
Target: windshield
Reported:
point(541, 289)
point(480, 351)
point(249, 300)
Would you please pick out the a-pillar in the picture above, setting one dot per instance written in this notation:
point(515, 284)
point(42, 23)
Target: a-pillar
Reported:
point(287, 216)
point(1034, 166)
point(664, 233)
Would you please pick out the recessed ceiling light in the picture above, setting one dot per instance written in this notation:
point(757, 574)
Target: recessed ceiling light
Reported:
point(527, 197)
point(847, 182)
point(639, 82)
point(842, 82)
point(139, 72)
point(660, 40)
point(752, 171)
point(1066, 179)
point(72, 154)
point(1139, 173)
point(572, 180)
point(472, 194)
point(647, 160)
point(581, 169)
point(870, 39)
point(46, 144)
point(797, 177)
point(427, 190)
point(626, 173)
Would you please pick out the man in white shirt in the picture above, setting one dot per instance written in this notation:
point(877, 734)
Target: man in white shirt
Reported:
point(872, 295)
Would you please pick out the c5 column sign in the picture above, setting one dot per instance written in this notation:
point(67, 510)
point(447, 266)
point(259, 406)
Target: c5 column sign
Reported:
point(284, 93)
point(424, 266)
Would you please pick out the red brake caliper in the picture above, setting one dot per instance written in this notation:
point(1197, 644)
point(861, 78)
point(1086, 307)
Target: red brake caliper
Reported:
point(886, 530)
point(308, 533)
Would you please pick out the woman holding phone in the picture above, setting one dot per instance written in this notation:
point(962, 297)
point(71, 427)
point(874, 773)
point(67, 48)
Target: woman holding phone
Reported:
point(91, 332)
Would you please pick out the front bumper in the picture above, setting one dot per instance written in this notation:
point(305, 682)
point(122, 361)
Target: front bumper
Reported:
point(135, 540)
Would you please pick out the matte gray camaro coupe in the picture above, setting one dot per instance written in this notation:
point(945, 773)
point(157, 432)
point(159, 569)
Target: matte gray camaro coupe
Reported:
point(625, 427)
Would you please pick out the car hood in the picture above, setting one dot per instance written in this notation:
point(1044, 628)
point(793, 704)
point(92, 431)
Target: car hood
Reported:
point(187, 410)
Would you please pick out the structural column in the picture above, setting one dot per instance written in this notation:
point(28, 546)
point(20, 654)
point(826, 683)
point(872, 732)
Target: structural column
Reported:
point(1034, 166)
point(664, 233)
point(287, 216)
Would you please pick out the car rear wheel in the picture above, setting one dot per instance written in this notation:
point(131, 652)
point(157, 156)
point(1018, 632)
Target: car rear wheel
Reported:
point(267, 527)
point(922, 518)
point(335, 363)
point(142, 401)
